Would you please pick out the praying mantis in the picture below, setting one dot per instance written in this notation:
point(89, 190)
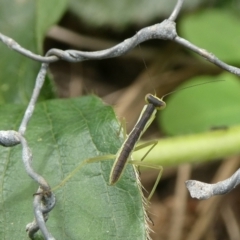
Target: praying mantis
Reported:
point(123, 156)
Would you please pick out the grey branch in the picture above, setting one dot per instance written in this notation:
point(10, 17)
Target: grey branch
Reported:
point(207, 55)
point(201, 190)
point(176, 10)
point(44, 199)
point(165, 30)
point(36, 91)
point(9, 138)
point(43, 203)
point(16, 47)
point(27, 161)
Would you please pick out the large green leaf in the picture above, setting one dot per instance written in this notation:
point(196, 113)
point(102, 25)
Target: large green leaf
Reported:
point(26, 22)
point(120, 14)
point(61, 134)
point(216, 30)
point(203, 107)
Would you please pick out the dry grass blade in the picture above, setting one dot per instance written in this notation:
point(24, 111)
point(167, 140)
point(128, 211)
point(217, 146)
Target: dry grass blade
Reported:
point(180, 198)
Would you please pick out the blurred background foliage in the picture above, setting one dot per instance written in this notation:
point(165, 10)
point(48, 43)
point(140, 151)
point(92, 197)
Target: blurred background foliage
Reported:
point(168, 65)
point(122, 14)
point(156, 66)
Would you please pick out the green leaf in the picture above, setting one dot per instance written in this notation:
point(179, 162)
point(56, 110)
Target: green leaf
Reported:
point(26, 22)
point(216, 30)
point(61, 134)
point(120, 14)
point(202, 107)
point(47, 13)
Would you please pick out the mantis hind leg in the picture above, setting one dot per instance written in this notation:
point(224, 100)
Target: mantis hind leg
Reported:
point(150, 165)
point(92, 160)
point(144, 145)
point(82, 164)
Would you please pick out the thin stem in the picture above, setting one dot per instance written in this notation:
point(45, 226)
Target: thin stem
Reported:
point(176, 10)
point(41, 217)
point(36, 91)
point(27, 161)
point(201, 190)
point(16, 47)
point(207, 55)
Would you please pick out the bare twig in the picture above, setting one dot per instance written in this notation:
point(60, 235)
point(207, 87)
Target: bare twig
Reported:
point(42, 204)
point(44, 199)
point(16, 47)
point(165, 30)
point(201, 190)
point(176, 10)
point(208, 56)
point(9, 138)
point(230, 221)
point(27, 161)
point(207, 209)
point(179, 209)
point(80, 41)
point(36, 91)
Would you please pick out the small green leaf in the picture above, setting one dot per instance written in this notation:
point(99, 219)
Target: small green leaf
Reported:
point(216, 30)
point(61, 134)
point(202, 108)
point(47, 13)
point(26, 22)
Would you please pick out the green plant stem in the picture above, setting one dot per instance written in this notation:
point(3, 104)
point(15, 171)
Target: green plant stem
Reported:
point(206, 146)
